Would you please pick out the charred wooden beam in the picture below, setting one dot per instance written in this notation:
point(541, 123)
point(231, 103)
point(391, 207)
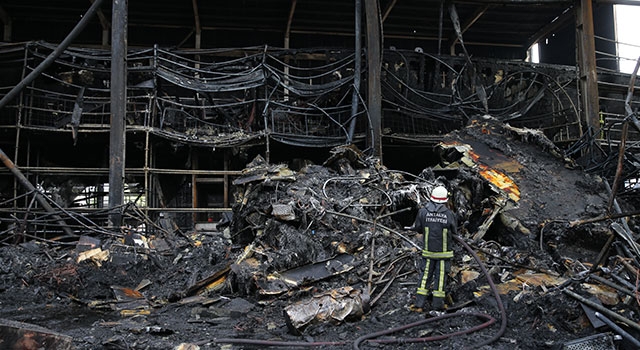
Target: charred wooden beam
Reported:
point(118, 110)
point(388, 9)
point(106, 26)
point(603, 252)
point(587, 63)
point(616, 179)
point(557, 23)
point(603, 310)
point(623, 136)
point(52, 56)
point(374, 58)
point(466, 25)
point(39, 196)
point(603, 218)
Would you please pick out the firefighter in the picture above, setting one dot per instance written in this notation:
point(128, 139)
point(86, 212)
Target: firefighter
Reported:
point(437, 222)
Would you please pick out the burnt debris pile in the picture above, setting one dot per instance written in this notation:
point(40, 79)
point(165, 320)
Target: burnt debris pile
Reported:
point(319, 256)
point(536, 220)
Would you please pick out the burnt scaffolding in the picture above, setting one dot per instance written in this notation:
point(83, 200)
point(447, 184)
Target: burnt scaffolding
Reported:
point(195, 118)
point(192, 118)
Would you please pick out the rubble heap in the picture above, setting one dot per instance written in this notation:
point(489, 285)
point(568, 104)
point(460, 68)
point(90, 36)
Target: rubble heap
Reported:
point(320, 257)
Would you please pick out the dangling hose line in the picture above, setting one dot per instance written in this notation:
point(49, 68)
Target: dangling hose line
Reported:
point(489, 320)
point(494, 290)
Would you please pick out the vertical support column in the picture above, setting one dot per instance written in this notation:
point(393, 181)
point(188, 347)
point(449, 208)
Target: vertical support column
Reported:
point(287, 36)
point(374, 102)
point(357, 63)
point(198, 43)
point(195, 165)
point(225, 190)
point(118, 111)
point(19, 123)
point(147, 193)
point(150, 188)
point(8, 24)
point(440, 21)
point(587, 63)
point(196, 16)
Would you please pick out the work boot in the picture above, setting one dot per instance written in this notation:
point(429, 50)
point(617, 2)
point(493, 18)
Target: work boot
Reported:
point(420, 300)
point(437, 304)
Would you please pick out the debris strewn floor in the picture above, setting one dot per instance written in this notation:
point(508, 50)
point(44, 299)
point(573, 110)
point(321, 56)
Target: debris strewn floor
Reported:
point(319, 257)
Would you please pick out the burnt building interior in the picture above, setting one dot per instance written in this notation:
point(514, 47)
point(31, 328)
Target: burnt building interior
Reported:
point(142, 115)
point(209, 86)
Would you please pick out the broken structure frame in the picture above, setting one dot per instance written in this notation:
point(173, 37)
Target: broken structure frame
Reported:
point(317, 95)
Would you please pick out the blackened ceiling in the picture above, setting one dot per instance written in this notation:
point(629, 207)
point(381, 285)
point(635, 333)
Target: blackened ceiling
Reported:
point(503, 28)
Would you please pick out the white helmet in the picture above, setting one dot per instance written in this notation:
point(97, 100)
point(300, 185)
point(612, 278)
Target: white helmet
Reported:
point(439, 194)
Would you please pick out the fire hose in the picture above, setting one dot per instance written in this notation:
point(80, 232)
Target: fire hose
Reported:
point(488, 321)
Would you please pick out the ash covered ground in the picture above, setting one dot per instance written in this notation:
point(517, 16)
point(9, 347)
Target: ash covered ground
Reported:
point(334, 227)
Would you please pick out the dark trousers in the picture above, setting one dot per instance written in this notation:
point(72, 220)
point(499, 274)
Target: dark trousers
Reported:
point(434, 271)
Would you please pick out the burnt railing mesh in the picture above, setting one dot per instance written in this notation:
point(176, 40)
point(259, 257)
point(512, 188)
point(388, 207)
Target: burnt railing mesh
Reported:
point(301, 97)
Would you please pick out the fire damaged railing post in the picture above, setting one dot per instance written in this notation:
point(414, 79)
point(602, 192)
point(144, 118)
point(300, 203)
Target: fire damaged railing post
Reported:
point(39, 196)
point(357, 62)
point(587, 63)
point(118, 110)
point(374, 102)
point(623, 135)
point(287, 37)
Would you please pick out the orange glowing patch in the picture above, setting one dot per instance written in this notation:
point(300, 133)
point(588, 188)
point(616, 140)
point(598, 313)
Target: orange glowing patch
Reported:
point(488, 172)
point(501, 181)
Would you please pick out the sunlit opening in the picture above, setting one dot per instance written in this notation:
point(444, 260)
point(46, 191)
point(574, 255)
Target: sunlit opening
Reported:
point(534, 54)
point(628, 40)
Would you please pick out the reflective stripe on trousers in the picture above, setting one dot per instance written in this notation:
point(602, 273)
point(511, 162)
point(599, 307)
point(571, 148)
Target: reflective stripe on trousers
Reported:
point(437, 268)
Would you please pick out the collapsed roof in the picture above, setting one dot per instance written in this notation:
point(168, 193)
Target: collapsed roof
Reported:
point(320, 252)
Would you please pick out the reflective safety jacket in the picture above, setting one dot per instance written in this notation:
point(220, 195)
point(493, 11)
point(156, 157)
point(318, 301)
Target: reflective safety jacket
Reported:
point(437, 223)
